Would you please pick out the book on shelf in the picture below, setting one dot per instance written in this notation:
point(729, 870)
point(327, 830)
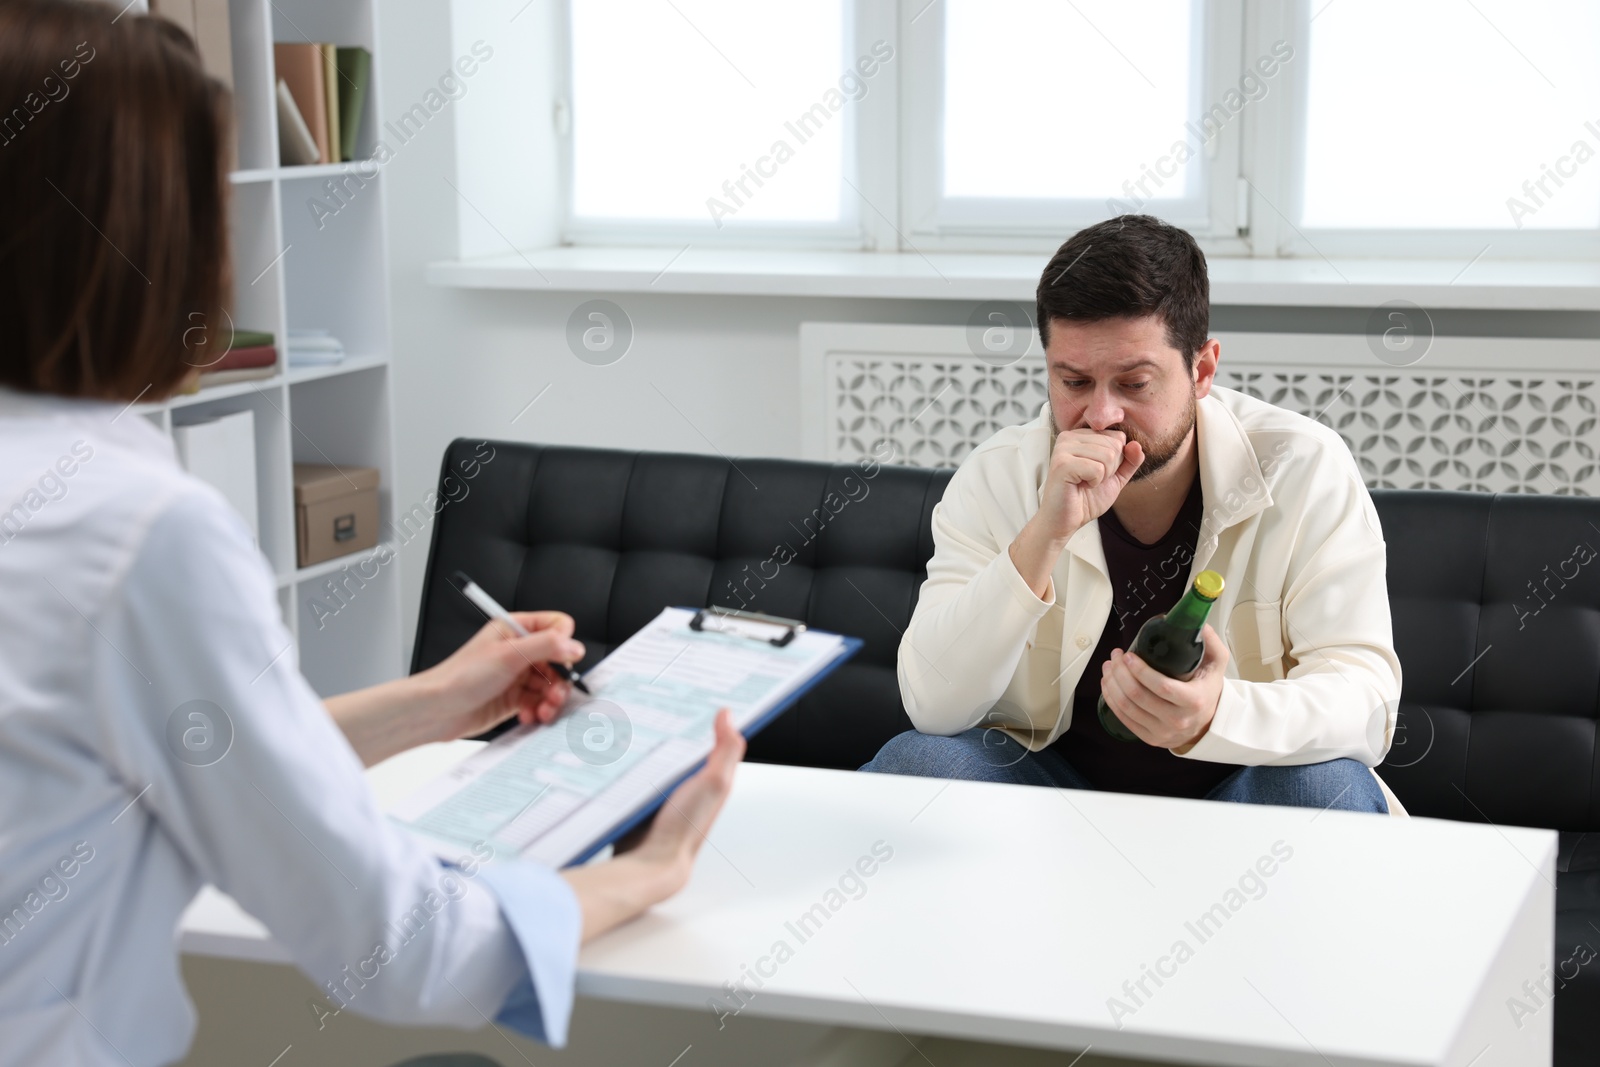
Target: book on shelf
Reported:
point(237, 358)
point(207, 22)
point(240, 374)
point(330, 99)
point(300, 67)
point(221, 451)
point(249, 338)
point(326, 86)
point(296, 145)
point(355, 74)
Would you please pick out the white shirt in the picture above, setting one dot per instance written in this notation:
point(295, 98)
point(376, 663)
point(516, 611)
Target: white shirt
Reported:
point(1312, 674)
point(156, 735)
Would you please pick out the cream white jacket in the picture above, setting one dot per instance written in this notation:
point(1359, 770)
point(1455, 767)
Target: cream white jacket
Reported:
point(1289, 524)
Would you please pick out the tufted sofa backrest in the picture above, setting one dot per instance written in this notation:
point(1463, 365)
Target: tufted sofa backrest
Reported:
point(1496, 607)
point(612, 537)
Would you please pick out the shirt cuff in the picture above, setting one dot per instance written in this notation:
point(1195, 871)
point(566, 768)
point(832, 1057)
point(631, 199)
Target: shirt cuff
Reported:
point(544, 915)
point(1212, 745)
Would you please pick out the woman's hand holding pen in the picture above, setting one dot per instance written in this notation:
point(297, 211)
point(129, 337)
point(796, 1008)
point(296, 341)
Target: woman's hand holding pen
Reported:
point(496, 675)
point(484, 682)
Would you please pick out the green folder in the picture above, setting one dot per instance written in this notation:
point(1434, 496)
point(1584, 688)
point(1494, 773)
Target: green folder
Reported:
point(355, 72)
point(250, 339)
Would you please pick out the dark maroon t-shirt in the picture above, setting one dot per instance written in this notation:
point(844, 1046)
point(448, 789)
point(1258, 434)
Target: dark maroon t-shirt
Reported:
point(1146, 580)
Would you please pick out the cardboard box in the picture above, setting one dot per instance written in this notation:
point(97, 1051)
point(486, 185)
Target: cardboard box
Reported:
point(336, 511)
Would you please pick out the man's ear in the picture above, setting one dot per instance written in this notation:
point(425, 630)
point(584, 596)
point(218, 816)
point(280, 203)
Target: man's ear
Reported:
point(1205, 366)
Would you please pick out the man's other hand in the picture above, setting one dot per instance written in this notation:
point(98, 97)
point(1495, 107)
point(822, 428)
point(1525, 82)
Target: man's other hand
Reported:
point(1162, 711)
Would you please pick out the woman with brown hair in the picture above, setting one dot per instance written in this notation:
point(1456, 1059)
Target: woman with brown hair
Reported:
point(133, 596)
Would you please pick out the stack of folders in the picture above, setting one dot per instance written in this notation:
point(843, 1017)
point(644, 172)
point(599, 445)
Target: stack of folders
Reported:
point(221, 452)
point(322, 89)
point(250, 355)
point(314, 348)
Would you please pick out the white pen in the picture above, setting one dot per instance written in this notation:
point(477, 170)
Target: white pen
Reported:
point(491, 607)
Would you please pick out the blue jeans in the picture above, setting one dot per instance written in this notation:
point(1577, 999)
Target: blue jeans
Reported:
point(985, 754)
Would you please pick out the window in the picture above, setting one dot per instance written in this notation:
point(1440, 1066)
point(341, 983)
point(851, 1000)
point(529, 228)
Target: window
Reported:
point(695, 117)
point(1030, 115)
point(1300, 127)
point(988, 108)
point(1446, 127)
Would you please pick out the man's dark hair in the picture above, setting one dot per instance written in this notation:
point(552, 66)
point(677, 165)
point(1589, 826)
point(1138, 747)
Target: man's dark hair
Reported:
point(1129, 267)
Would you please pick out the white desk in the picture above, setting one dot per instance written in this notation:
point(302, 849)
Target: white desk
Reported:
point(1014, 914)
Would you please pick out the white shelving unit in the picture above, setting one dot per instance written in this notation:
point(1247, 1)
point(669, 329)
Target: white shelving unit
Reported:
point(289, 271)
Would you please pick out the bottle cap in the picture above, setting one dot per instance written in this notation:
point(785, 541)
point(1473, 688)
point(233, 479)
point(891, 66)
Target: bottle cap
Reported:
point(1208, 584)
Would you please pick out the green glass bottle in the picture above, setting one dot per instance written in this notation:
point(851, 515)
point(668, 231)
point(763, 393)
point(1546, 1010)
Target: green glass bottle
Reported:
point(1170, 643)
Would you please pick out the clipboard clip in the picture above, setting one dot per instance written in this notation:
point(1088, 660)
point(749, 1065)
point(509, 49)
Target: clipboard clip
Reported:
point(792, 627)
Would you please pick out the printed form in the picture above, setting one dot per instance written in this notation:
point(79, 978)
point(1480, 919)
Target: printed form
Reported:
point(549, 792)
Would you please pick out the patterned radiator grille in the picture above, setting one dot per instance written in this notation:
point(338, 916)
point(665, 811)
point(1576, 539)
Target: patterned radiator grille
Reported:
point(1487, 432)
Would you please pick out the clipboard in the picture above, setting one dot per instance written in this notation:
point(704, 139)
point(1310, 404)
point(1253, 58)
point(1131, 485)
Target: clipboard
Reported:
point(535, 794)
point(709, 619)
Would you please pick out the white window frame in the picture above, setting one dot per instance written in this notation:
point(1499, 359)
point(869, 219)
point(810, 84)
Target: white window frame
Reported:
point(933, 221)
point(869, 123)
point(892, 155)
point(1278, 166)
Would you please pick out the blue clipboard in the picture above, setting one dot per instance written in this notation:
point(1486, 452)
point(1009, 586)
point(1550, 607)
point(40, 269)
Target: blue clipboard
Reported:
point(852, 645)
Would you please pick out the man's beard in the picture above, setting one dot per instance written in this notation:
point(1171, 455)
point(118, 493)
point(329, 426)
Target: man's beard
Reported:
point(1157, 453)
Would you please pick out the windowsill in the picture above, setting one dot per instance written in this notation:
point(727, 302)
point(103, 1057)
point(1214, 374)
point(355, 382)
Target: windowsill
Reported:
point(1521, 285)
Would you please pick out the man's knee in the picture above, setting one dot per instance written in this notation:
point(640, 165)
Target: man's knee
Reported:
point(914, 752)
point(1338, 784)
point(977, 754)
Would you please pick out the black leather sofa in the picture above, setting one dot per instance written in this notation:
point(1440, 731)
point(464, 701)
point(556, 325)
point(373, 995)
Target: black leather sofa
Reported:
point(1496, 605)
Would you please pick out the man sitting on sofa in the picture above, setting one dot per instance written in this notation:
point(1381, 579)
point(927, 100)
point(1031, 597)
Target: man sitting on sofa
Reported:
point(1057, 539)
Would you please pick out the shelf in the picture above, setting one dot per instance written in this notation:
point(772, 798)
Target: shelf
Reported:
point(351, 365)
point(218, 392)
point(363, 168)
point(295, 375)
point(333, 566)
point(1534, 285)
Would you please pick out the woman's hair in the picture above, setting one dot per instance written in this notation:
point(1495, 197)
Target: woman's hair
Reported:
point(114, 265)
